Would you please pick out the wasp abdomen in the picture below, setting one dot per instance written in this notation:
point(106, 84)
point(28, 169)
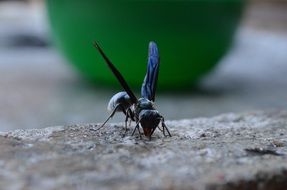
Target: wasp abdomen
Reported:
point(122, 99)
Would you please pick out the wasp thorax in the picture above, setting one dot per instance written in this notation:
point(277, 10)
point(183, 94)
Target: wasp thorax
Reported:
point(144, 103)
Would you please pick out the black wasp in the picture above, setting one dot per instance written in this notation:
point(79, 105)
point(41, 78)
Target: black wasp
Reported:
point(141, 110)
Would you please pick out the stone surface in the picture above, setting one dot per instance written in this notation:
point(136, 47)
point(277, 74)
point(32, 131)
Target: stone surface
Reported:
point(203, 153)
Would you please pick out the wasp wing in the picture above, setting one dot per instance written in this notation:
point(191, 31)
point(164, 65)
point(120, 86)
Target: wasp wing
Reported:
point(117, 74)
point(150, 80)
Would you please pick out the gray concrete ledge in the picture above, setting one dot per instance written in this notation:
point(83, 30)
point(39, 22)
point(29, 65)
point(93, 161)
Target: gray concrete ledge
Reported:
point(203, 153)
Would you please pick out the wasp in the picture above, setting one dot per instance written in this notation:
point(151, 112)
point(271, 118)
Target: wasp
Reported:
point(142, 111)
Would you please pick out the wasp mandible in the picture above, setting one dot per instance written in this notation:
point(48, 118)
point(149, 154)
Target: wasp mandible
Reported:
point(142, 110)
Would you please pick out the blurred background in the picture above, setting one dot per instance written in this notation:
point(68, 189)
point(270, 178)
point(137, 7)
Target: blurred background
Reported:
point(38, 88)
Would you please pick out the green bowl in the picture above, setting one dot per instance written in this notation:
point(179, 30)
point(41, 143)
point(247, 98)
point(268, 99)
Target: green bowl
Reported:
point(192, 35)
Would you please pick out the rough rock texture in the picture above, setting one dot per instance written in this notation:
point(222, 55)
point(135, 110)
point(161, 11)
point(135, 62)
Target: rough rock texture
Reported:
point(231, 151)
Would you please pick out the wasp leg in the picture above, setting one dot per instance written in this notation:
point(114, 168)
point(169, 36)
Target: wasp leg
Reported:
point(137, 127)
point(163, 131)
point(165, 127)
point(126, 127)
point(139, 132)
point(128, 114)
point(152, 133)
point(134, 130)
point(160, 129)
point(111, 115)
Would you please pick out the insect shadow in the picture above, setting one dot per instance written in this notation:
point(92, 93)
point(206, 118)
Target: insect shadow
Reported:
point(142, 111)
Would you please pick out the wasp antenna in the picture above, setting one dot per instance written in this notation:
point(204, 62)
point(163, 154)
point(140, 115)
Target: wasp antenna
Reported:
point(111, 115)
point(103, 123)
